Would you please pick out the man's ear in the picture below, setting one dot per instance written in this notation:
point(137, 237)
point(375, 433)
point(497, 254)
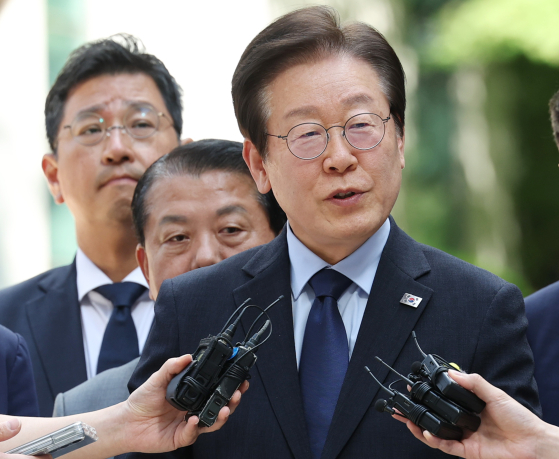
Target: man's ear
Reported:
point(142, 259)
point(186, 141)
point(255, 164)
point(50, 169)
point(401, 143)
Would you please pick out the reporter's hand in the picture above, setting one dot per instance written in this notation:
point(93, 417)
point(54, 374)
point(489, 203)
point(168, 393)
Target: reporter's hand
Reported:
point(507, 431)
point(9, 429)
point(153, 425)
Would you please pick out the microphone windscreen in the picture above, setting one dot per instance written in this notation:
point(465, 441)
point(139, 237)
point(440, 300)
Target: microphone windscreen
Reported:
point(415, 367)
point(380, 404)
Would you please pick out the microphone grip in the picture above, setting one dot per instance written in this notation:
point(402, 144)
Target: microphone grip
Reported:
point(438, 427)
point(423, 418)
point(424, 393)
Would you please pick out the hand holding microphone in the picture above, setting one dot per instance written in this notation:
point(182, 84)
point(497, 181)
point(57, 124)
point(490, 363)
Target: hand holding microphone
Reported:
point(508, 430)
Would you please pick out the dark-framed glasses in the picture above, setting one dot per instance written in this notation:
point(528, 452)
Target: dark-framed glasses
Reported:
point(309, 140)
point(140, 121)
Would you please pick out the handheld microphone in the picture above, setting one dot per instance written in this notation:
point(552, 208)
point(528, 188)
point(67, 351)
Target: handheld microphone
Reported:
point(381, 406)
point(218, 368)
point(426, 394)
point(435, 369)
point(418, 414)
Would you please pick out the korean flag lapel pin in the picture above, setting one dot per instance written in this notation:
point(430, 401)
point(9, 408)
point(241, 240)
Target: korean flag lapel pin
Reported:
point(411, 300)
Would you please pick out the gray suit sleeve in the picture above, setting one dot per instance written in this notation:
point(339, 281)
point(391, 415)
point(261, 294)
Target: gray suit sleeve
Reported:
point(106, 389)
point(58, 406)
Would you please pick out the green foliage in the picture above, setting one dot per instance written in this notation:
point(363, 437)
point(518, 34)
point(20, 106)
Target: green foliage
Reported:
point(482, 31)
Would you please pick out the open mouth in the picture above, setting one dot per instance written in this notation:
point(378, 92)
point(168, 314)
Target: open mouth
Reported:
point(349, 194)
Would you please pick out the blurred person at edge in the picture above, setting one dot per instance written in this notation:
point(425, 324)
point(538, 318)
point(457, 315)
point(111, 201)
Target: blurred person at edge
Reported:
point(321, 107)
point(192, 208)
point(112, 111)
point(17, 386)
point(542, 310)
point(507, 429)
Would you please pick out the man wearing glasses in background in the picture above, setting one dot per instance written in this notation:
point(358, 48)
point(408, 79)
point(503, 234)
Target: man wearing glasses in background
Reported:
point(321, 107)
point(112, 111)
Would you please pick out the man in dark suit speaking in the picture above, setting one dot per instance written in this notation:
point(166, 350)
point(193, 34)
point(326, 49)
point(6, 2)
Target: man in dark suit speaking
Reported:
point(321, 107)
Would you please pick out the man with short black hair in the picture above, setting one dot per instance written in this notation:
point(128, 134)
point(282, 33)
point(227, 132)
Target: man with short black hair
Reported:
point(192, 208)
point(112, 111)
point(321, 106)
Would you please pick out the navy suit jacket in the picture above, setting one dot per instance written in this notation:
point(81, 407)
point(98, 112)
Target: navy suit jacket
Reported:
point(467, 315)
point(17, 387)
point(542, 310)
point(45, 310)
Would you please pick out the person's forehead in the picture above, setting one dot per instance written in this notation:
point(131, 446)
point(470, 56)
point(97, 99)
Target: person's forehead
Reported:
point(304, 89)
point(109, 94)
point(211, 192)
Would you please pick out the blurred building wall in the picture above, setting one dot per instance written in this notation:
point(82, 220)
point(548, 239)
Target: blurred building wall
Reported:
point(24, 227)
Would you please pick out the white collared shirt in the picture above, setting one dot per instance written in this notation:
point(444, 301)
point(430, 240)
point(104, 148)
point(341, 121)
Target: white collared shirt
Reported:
point(361, 267)
point(96, 309)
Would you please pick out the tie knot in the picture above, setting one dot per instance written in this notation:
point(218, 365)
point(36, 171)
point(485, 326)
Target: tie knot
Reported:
point(122, 293)
point(328, 282)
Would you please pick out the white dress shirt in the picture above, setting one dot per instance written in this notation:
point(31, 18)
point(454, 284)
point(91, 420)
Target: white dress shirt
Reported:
point(361, 267)
point(96, 309)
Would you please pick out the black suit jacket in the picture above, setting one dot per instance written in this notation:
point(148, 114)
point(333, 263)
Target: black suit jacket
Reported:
point(542, 310)
point(17, 387)
point(45, 310)
point(467, 315)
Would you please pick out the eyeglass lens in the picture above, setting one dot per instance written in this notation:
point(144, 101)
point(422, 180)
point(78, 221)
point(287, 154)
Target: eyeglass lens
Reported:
point(309, 140)
point(140, 122)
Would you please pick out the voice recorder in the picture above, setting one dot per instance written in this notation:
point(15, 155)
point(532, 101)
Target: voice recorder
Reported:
point(436, 403)
point(218, 368)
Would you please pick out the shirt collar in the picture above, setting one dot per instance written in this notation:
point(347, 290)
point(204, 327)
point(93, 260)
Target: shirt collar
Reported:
point(360, 266)
point(89, 276)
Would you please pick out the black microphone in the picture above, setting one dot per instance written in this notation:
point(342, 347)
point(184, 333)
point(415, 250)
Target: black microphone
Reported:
point(381, 406)
point(416, 367)
point(419, 415)
point(426, 394)
point(436, 369)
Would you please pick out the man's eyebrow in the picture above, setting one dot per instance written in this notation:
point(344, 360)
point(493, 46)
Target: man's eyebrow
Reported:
point(357, 99)
point(230, 210)
point(93, 108)
point(173, 219)
point(309, 110)
point(99, 107)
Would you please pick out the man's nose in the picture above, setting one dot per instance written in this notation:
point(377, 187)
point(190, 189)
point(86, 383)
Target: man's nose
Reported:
point(117, 146)
point(339, 155)
point(207, 252)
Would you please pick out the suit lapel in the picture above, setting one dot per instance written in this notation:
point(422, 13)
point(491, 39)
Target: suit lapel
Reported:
point(385, 328)
point(55, 322)
point(276, 364)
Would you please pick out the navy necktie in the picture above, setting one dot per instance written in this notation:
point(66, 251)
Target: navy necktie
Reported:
point(324, 356)
point(120, 341)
